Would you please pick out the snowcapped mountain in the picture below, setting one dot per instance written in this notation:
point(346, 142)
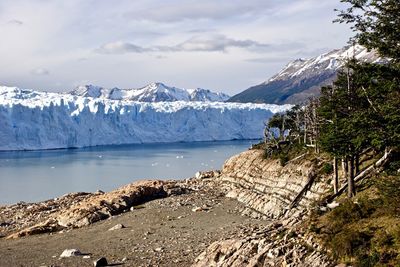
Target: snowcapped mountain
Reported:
point(205, 95)
point(154, 92)
point(302, 78)
point(40, 120)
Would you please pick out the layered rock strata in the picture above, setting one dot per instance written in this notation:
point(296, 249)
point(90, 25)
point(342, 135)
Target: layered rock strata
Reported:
point(281, 194)
point(270, 190)
point(272, 246)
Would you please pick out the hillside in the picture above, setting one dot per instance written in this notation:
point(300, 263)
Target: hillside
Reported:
point(302, 78)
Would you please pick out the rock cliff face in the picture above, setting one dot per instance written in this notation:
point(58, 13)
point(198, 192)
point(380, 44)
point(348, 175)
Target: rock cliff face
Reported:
point(280, 194)
point(270, 190)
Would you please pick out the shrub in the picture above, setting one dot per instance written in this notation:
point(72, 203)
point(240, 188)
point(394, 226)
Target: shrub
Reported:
point(389, 192)
point(327, 168)
point(283, 159)
point(347, 212)
point(366, 232)
point(350, 243)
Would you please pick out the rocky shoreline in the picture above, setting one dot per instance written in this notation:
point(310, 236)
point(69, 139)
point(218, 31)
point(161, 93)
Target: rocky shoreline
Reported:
point(176, 223)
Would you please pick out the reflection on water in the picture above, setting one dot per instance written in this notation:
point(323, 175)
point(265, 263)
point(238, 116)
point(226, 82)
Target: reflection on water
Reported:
point(39, 175)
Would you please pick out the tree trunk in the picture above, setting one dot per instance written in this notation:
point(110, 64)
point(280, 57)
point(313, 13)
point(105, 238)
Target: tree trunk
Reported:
point(357, 163)
point(344, 168)
point(351, 189)
point(335, 175)
point(365, 173)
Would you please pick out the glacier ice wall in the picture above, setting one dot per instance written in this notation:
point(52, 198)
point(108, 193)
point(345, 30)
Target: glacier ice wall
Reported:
point(39, 120)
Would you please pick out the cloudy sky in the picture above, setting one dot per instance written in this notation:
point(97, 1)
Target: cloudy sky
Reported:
point(224, 45)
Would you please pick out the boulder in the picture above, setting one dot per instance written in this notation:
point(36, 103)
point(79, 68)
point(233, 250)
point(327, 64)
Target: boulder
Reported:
point(70, 253)
point(100, 262)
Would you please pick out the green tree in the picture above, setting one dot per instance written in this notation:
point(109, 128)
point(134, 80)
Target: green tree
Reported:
point(344, 132)
point(361, 109)
point(376, 24)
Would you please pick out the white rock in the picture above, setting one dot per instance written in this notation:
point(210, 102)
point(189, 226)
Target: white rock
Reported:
point(195, 209)
point(70, 253)
point(198, 175)
point(332, 205)
point(116, 227)
point(158, 249)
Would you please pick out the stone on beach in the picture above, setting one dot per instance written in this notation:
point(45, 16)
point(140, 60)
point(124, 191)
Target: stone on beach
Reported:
point(100, 262)
point(70, 253)
point(117, 227)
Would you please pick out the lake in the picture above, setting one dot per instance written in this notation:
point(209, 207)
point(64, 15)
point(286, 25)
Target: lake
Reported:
point(32, 176)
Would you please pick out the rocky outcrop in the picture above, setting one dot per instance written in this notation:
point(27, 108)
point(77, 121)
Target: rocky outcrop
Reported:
point(76, 210)
point(105, 205)
point(281, 194)
point(270, 190)
point(24, 215)
point(272, 246)
point(97, 207)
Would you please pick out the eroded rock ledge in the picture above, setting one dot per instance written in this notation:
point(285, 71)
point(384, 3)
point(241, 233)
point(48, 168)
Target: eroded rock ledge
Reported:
point(282, 195)
point(270, 190)
point(81, 209)
point(272, 246)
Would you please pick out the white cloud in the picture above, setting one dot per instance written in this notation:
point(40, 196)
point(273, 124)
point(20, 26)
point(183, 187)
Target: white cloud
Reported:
point(218, 42)
point(204, 43)
point(40, 71)
point(15, 22)
point(120, 47)
point(174, 11)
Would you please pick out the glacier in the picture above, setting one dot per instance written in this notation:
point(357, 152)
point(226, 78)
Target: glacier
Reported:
point(32, 120)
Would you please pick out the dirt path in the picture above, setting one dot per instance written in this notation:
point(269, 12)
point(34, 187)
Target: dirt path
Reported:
point(166, 232)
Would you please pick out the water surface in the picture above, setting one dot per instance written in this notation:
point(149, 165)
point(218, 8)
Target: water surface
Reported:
point(39, 175)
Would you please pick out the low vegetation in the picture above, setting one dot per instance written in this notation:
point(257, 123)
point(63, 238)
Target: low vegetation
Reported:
point(364, 230)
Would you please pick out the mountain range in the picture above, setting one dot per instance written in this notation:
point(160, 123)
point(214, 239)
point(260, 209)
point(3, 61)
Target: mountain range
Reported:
point(154, 92)
point(294, 84)
point(302, 78)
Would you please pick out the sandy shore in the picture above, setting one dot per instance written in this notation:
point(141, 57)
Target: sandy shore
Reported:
point(170, 231)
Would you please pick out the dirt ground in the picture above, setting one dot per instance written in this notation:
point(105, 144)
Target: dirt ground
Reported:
point(171, 231)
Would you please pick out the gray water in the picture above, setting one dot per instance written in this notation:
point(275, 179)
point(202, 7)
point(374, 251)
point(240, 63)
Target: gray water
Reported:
point(32, 176)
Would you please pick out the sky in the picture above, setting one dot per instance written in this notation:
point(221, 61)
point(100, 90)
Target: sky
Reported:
point(222, 45)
